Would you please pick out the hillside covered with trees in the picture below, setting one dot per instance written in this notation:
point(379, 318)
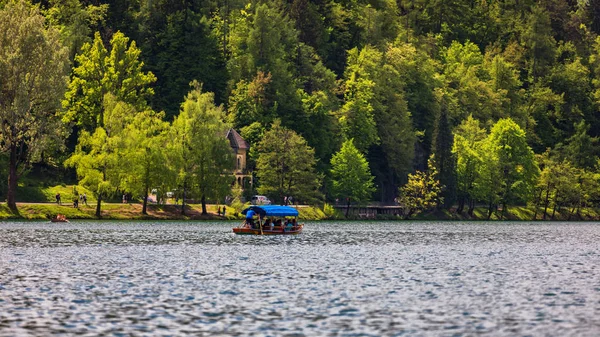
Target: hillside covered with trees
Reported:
point(432, 103)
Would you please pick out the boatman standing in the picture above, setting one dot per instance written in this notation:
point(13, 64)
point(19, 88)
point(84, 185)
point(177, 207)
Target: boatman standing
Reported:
point(250, 218)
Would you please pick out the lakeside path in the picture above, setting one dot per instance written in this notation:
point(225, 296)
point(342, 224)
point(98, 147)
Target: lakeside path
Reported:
point(117, 211)
point(133, 211)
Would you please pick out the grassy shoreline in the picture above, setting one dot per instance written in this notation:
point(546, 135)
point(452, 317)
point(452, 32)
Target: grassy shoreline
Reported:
point(133, 211)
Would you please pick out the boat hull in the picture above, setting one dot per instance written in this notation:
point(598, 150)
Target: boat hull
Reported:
point(277, 231)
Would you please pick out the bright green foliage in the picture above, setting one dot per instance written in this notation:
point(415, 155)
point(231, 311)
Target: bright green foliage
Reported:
point(356, 115)
point(286, 166)
point(100, 71)
point(418, 72)
point(351, 175)
point(264, 46)
point(467, 145)
point(145, 142)
point(199, 151)
point(32, 81)
point(97, 157)
point(252, 102)
point(558, 184)
point(517, 170)
point(422, 192)
point(375, 111)
point(467, 88)
point(75, 22)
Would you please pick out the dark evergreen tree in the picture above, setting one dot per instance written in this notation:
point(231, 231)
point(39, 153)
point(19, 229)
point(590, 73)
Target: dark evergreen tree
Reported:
point(445, 160)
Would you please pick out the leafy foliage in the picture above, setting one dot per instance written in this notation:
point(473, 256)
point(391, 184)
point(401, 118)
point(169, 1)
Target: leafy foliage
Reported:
point(351, 176)
point(286, 166)
point(32, 72)
point(422, 192)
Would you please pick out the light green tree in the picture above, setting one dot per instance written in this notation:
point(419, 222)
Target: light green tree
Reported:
point(199, 151)
point(514, 162)
point(100, 71)
point(33, 68)
point(468, 139)
point(286, 166)
point(351, 176)
point(146, 138)
point(357, 114)
point(422, 191)
point(98, 155)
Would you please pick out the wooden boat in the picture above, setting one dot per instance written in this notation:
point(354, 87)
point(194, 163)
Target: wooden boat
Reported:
point(266, 213)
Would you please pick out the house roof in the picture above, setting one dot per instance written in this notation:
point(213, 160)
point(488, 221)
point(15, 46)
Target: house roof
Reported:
point(236, 140)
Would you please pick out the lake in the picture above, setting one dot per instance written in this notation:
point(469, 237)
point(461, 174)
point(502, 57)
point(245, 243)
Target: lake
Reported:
point(116, 278)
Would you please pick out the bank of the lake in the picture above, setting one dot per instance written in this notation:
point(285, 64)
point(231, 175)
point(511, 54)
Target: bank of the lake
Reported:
point(133, 211)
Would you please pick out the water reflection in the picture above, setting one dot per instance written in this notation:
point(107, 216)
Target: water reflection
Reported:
point(372, 279)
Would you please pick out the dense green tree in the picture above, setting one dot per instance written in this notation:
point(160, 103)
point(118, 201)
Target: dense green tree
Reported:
point(581, 149)
point(357, 113)
point(467, 89)
point(351, 177)
point(422, 191)
point(467, 149)
point(200, 152)
point(98, 155)
point(513, 158)
point(144, 147)
point(75, 22)
point(99, 71)
point(445, 160)
point(32, 81)
point(375, 113)
point(540, 44)
point(286, 166)
point(418, 72)
point(179, 46)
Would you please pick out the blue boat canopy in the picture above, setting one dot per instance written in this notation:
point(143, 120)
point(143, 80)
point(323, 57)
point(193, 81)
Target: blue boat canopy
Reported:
point(272, 210)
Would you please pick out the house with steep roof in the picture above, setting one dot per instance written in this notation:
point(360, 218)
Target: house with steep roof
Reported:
point(240, 147)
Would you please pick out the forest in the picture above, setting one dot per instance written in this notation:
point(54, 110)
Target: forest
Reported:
point(427, 103)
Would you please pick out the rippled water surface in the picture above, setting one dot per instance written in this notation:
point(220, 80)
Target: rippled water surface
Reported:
point(337, 278)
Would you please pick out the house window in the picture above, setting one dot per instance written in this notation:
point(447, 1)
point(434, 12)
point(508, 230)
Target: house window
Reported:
point(239, 163)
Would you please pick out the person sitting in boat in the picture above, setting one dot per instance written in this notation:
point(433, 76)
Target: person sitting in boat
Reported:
point(289, 226)
point(268, 224)
point(250, 218)
point(294, 224)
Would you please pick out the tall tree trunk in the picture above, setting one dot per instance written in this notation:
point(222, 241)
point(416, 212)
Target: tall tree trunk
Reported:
point(490, 210)
point(537, 205)
point(347, 207)
point(471, 207)
point(555, 204)
point(461, 204)
point(183, 201)
point(145, 204)
point(98, 205)
point(547, 201)
point(203, 199)
point(12, 179)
